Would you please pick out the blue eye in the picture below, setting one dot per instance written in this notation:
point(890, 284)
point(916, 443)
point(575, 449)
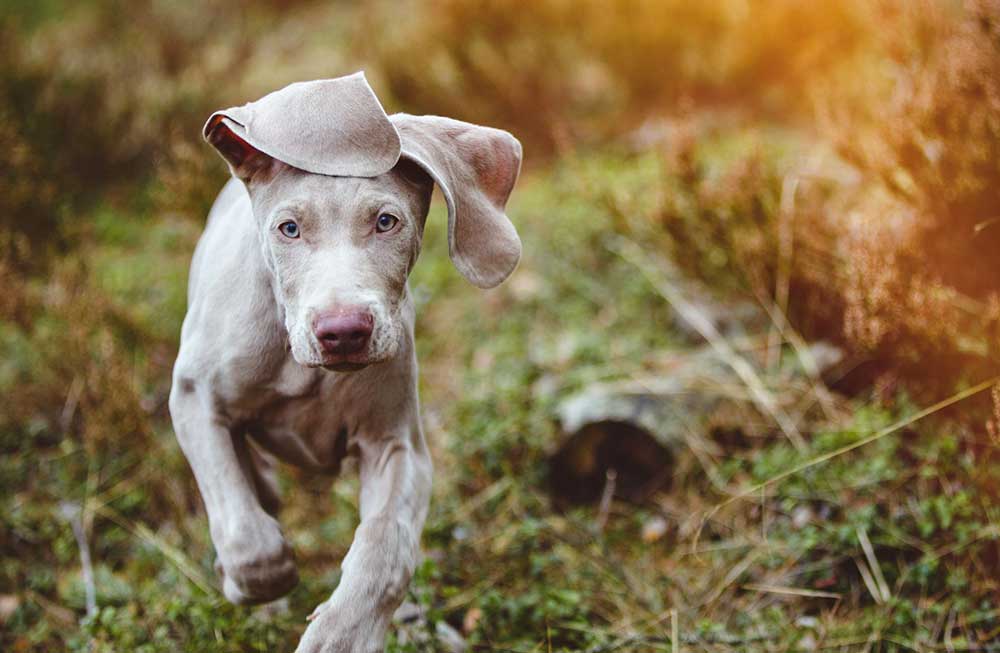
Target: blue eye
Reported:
point(289, 229)
point(385, 222)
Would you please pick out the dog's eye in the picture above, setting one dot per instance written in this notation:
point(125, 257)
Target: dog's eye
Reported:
point(289, 229)
point(385, 222)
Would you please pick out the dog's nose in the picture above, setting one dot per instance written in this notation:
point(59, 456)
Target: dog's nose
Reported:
point(345, 330)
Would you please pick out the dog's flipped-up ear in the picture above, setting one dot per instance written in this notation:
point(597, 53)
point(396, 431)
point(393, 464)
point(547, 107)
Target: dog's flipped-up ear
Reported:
point(245, 161)
point(329, 127)
point(476, 168)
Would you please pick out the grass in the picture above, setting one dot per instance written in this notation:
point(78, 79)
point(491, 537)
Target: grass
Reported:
point(888, 543)
point(854, 510)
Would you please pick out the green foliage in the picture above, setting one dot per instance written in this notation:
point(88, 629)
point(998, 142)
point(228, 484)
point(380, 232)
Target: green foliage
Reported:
point(605, 68)
point(105, 195)
point(497, 548)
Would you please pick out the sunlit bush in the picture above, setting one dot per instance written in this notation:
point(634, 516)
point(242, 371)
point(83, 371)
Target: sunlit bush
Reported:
point(560, 72)
point(934, 143)
point(919, 241)
point(880, 229)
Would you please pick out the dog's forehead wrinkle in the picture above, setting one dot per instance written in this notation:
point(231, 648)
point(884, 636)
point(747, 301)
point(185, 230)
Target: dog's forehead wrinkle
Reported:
point(342, 196)
point(293, 205)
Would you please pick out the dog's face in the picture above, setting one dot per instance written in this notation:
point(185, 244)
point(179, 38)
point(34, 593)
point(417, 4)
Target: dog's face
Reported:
point(340, 250)
point(339, 246)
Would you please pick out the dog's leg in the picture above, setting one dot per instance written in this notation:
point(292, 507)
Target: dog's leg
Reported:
point(259, 468)
point(395, 491)
point(255, 561)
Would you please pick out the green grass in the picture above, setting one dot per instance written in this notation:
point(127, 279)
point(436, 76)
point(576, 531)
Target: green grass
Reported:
point(502, 558)
point(880, 534)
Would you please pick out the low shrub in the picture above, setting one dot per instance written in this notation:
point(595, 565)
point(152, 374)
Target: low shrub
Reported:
point(559, 73)
point(925, 266)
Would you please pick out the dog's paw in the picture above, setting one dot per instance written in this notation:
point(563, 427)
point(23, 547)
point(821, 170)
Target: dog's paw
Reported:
point(338, 628)
point(256, 564)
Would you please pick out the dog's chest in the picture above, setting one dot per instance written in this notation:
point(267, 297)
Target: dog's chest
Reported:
point(301, 418)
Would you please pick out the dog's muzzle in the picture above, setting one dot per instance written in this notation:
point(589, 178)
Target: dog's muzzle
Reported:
point(343, 335)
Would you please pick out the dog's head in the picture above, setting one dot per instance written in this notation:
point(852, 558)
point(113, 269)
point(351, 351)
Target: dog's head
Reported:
point(340, 193)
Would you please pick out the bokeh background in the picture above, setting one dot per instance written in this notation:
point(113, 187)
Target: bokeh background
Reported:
point(793, 172)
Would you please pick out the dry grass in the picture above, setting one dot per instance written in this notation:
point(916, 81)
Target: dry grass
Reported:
point(833, 162)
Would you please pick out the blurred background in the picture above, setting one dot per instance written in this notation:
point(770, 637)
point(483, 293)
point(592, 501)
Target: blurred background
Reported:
point(762, 243)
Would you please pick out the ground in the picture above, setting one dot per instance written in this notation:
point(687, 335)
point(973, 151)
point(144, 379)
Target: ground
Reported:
point(676, 157)
point(889, 546)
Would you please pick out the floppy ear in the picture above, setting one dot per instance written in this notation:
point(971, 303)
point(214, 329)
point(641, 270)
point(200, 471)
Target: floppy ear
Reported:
point(326, 126)
point(244, 160)
point(476, 168)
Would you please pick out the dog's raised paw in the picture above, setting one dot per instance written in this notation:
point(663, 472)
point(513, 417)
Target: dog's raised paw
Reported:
point(258, 568)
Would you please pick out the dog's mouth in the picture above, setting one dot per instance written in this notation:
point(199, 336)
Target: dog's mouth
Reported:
point(336, 362)
point(344, 365)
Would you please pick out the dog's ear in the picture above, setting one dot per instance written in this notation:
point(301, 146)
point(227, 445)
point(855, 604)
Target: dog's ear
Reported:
point(327, 127)
point(245, 161)
point(476, 168)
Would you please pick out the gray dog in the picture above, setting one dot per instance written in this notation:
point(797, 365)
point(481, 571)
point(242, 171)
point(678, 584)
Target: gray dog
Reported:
point(299, 330)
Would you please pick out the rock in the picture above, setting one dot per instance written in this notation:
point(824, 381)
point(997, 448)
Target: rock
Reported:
point(412, 627)
point(471, 620)
point(802, 516)
point(9, 603)
point(654, 529)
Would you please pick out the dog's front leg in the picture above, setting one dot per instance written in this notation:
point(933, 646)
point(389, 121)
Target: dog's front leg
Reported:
point(395, 490)
point(253, 557)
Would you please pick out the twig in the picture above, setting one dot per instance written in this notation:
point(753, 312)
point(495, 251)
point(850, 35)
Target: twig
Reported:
point(72, 513)
point(64, 616)
point(779, 321)
point(734, 573)
point(690, 313)
point(72, 400)
point(869, 580)
point(695, 443)
point(610, 479)
point(873, 564)
point(782, 279)
point(175, 556)
point(675, 643)
point(836, 453)
point(792, 591)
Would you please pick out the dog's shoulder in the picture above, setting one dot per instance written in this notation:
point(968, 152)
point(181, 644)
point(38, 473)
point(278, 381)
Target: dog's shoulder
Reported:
point(232, 325)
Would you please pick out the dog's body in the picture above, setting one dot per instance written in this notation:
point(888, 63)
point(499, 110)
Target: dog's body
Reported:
point(299, 336)
point(290, 410)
